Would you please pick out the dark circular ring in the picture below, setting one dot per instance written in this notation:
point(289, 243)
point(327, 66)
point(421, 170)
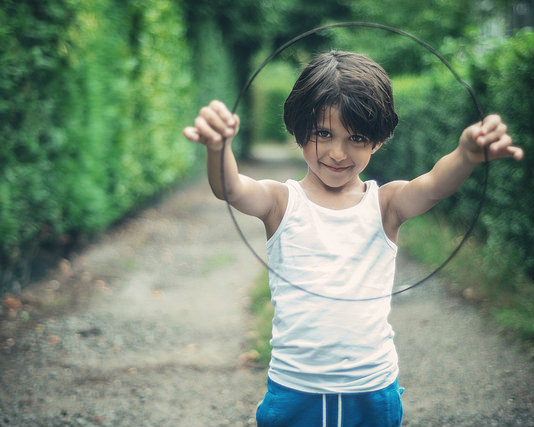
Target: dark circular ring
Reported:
point(478, 107)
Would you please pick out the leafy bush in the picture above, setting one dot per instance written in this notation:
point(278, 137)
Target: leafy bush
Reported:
point(505, 79)
point(270, 90)
point(93, 97)
point(30, 58)
point(263, 311)
point(433, 111)
point(498, 265)
point(213, 69)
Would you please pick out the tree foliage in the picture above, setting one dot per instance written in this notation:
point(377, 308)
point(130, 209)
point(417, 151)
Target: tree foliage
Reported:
point(93, 97)
point(434, 108)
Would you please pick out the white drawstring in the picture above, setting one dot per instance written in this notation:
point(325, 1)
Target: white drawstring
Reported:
point(324, 410)
point(339, 409)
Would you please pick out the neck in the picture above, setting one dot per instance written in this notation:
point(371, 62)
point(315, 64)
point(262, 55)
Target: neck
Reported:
point(312, 182)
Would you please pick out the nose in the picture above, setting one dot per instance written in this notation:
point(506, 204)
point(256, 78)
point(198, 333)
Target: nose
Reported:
point(337, 151)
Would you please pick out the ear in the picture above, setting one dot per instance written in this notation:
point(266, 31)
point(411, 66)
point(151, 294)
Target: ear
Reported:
point(376, 147)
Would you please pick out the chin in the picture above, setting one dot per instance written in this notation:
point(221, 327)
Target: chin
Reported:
point(336, 183)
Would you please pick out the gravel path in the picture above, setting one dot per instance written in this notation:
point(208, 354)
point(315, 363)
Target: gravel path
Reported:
point(148, 325)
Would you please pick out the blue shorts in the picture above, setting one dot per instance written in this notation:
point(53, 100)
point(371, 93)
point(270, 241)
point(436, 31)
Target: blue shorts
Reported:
point(285, 407)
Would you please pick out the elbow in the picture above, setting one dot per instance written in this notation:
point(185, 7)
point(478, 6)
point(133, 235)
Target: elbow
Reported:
point(219, 196)
point(230, 192)
point(222, 194)
point(218, 193)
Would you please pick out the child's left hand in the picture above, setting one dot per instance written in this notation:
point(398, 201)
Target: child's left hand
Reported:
point(492, 132)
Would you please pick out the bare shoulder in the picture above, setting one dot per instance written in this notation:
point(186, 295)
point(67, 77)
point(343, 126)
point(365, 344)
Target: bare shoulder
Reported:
point(275, 187)
point(387, 192)
point(278, 192)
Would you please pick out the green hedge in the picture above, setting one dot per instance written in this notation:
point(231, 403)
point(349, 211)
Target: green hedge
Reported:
point(93, 97)
point(128, 96)
point(270, 90)
point(495, 268)
point(434, 109)
point(213, 69)
point(31, 56)
point(505, 79)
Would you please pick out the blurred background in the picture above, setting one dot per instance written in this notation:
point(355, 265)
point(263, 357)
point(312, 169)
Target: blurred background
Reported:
point(94, 95)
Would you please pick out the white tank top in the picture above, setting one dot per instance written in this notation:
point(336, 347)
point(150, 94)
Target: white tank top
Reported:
point(324, 340)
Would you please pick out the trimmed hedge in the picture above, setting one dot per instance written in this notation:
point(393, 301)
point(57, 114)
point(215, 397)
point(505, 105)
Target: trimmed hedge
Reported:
point(270, 90)
point(434, 109)
point(214, 70)
point(505, 79)
point(93, 98)
point(128, 85)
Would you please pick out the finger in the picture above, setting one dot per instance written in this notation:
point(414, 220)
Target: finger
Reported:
point(191, 133)
point(496, 134)
point(237, 122)
point(225, 114)
point(206, 132)
point(231, 120)
point(490, 123)
point(517, 152)
point(213, 119)
point(475, 133)
point(513, 151)
point(501, 144)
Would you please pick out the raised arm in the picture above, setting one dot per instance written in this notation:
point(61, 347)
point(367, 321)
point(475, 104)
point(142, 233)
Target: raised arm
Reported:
point(402, 200)
point(257, 198)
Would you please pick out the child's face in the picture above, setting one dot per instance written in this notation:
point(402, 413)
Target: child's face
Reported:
point(339, 155)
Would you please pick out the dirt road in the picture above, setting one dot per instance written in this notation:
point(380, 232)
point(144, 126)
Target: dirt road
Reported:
point(145, 327)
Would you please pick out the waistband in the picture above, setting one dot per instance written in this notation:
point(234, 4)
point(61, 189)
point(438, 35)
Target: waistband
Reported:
point(393, 385)
point(328, 399)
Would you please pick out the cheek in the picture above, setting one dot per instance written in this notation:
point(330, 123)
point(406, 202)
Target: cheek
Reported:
point(362, 152)
point(311, 151)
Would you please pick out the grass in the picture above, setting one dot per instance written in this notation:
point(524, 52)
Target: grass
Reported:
point(263, 315)
point(476, 274)
point(216, 262)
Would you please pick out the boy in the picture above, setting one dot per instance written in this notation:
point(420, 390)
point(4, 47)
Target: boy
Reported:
point(331, 239)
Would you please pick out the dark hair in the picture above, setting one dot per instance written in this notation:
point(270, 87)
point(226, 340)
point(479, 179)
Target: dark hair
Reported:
point(355, 84)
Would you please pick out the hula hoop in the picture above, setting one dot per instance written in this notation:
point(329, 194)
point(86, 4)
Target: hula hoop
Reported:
point(478, 107)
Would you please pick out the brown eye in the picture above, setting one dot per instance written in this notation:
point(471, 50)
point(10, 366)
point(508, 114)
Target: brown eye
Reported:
point(359, 139)
point(321, 133)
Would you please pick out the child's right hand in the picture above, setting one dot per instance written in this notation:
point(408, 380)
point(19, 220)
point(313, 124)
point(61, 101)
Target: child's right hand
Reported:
point(213, 124)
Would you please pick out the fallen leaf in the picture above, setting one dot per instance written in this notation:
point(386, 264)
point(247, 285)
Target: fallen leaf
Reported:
point(54, 340)
point(65, 268)
point(251, 356)
point(30, 298)
point(99, 419)
point(100, 284)
point(11, 302)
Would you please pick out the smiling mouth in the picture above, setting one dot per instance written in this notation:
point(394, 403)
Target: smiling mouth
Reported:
point(337, 168)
